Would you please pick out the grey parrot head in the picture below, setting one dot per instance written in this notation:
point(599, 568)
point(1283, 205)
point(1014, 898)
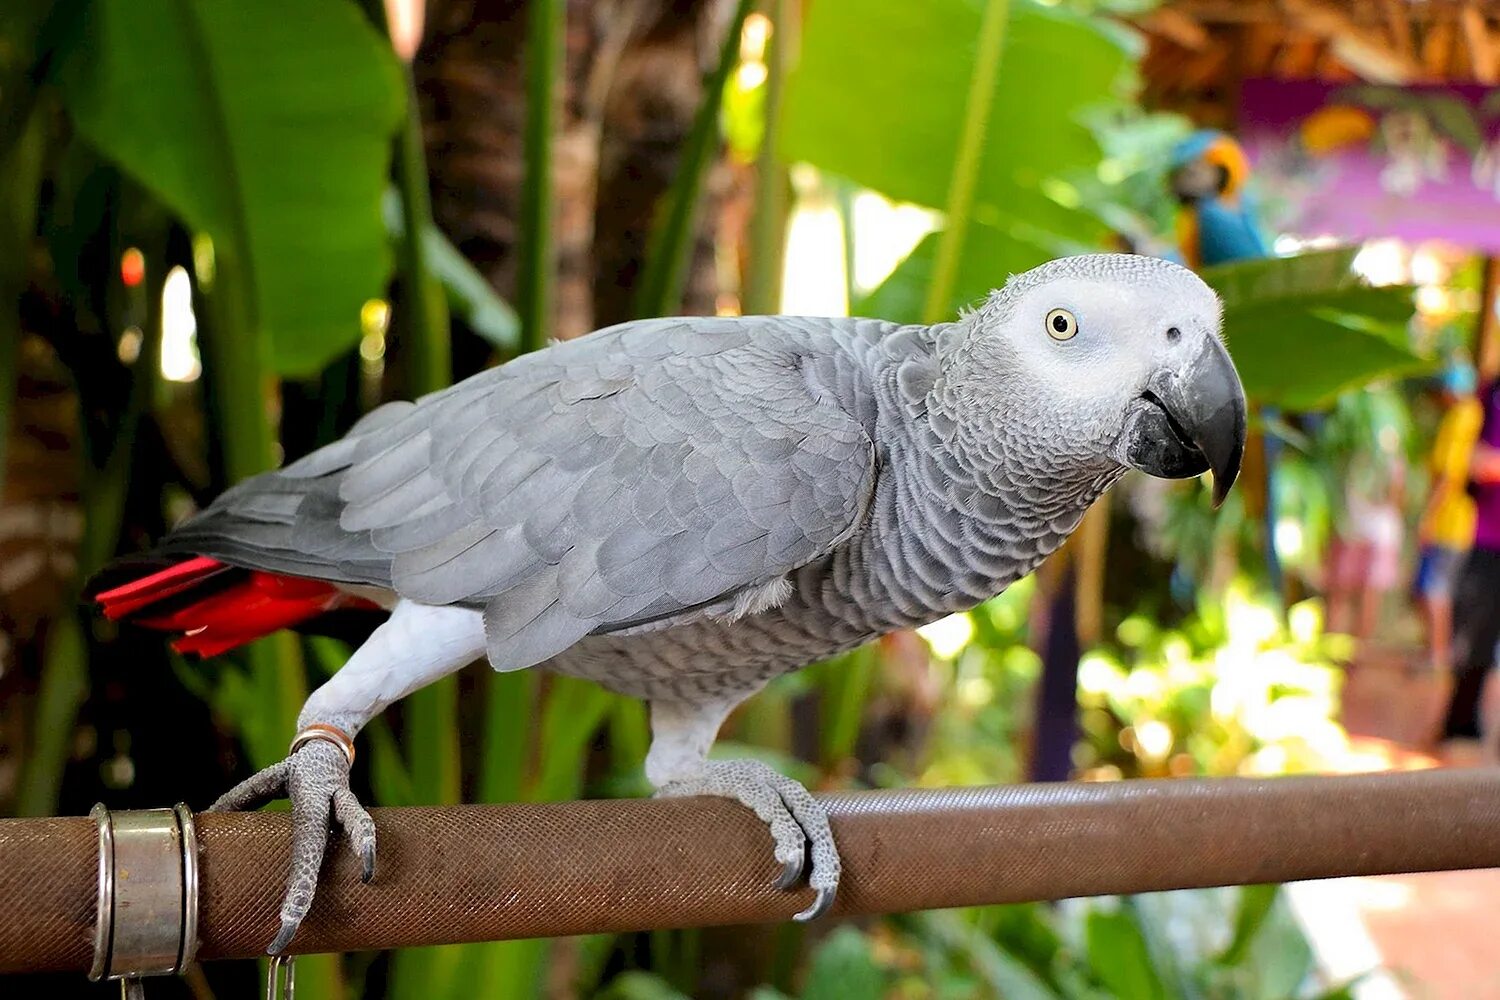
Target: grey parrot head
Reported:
point(1117, 355)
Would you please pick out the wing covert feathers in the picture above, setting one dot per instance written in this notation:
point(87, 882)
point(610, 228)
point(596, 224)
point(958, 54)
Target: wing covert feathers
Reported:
point(638, 474)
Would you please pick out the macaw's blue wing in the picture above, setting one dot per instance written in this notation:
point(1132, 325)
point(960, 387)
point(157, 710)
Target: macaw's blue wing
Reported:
point(1227, 233)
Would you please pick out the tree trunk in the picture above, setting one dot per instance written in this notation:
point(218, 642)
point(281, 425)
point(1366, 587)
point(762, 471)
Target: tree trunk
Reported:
point(632, 85)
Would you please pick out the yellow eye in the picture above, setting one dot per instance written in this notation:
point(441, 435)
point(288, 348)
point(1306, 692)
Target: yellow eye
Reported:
point(1061, 324)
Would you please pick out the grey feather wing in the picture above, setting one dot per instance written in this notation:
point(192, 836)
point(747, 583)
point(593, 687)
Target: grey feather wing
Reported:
point(639, 474)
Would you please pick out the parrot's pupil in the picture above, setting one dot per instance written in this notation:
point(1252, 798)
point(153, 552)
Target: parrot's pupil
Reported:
point(1173, 333)
point(1059, 323)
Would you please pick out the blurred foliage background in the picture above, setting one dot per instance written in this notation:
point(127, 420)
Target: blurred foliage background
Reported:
point(228, 229)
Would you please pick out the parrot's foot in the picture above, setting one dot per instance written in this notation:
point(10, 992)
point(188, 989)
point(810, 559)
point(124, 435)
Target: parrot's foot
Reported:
point(315, 777)
point(799, 826)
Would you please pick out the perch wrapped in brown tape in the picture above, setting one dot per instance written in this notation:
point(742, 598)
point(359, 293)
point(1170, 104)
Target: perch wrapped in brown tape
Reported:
point(470, 873)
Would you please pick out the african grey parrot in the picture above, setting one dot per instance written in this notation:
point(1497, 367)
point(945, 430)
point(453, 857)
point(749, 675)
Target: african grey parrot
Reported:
point(683, 509)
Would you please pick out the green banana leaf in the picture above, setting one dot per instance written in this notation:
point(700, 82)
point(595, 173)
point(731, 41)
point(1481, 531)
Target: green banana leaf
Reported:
point(879, 98)
point(1303, 329)
point(266, 125)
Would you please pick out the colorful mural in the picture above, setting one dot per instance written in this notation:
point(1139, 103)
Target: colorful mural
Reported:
point(1359, 160)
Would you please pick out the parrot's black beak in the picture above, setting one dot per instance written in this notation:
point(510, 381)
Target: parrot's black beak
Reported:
point(1190, 421)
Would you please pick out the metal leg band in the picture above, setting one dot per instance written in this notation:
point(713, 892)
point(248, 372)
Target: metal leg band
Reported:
point(328, 734)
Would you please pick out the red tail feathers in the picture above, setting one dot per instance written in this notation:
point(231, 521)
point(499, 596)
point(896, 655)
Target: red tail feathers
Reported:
point(217, 607)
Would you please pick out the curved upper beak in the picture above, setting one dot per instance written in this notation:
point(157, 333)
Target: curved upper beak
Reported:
point(1190, 421)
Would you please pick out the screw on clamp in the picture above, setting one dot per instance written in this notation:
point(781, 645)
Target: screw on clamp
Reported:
point(147, 918)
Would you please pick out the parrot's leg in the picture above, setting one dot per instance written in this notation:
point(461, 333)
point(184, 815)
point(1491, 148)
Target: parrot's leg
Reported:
point(414, 647)
point(678, 764)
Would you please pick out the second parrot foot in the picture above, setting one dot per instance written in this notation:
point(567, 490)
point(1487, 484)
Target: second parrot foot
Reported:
point(315, 777)
point(799, 826)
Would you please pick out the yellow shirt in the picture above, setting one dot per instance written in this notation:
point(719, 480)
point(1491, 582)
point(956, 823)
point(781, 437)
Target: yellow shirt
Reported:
point(1451, 522)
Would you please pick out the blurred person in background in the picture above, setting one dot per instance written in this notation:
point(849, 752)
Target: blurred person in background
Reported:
point(1367, 558)
point(1476, 595)
point(1446, 529)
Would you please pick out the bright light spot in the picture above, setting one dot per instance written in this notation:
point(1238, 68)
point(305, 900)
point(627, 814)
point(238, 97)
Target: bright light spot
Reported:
point(813, 275)
point(372, 346)
point(753, 39)
point(1434, 300)
point(1062, 192)
point(405, 19)
point(179, 329)
point(203, 260)
point(1250, 624)
point(976, 692)
point(1289, 538)
point(1381, 894)
point(1426, 268)
point(132, 267)
point(1287, 246)
point(1135, 630)
point(1176, 651)
point(129, 347)
point(948, 636)
point(1111, 171)
point(884, 233)
point(375, 316)
point(1154, 738)
point(1267, 760)
point(1145, 685)
point(1305, 620)
point(1097, 675)
point(750, 75)
point(1382, 262)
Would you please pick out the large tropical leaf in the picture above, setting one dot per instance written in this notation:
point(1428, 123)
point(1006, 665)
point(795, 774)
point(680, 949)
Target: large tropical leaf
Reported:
point(990, 256)
point(1303, 329)
point(1120, 958)
point(265, 124)
point(879, 97)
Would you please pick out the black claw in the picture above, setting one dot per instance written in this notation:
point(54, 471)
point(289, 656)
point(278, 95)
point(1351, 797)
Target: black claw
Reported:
point(820, 906)
point(283, 937)
point(790, 874)
point(367, 864)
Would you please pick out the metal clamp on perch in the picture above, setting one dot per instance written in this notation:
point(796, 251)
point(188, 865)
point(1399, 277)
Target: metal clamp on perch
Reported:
point(147, 917)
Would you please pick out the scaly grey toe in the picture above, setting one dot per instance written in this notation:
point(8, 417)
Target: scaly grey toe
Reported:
point(255, 791)
point(798, 825)
point(316, 780)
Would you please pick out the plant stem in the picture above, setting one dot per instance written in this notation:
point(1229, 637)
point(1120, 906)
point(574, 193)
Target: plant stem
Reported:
point(63, 687)
point(546, 23)
point(423, 322)
point(425, 331)
point(845, 691)
point(843, 196)
point(768, 223)
point(510, 706)
point(967, 161)
point(664, 273)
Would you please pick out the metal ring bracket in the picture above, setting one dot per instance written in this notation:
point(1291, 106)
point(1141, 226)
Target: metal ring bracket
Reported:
point(147, 916)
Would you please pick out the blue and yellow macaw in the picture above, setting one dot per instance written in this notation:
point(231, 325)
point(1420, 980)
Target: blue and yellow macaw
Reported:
point(1217, 224)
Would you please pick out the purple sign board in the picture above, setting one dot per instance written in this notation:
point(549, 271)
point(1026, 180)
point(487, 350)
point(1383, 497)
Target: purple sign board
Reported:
point(1360, 161)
